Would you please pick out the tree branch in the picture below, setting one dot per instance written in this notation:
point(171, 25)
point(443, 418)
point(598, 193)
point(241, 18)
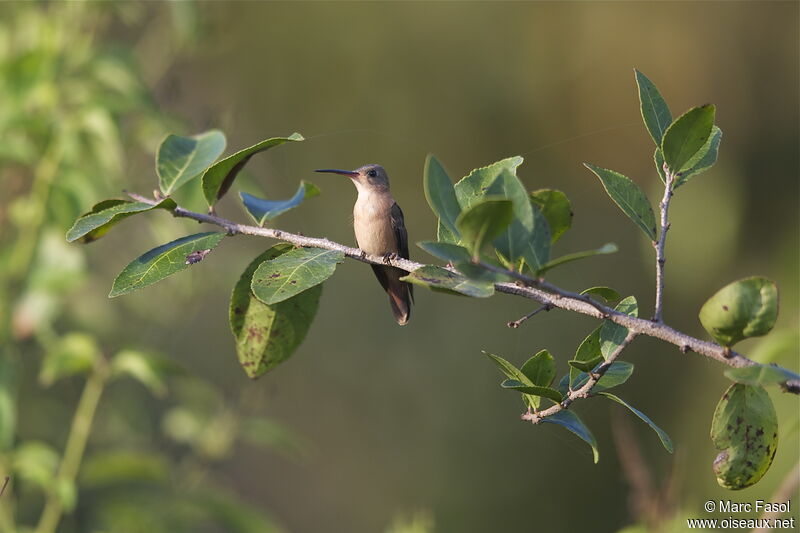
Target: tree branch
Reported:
point(662, 240)
point(585, 390)
point(545, 293)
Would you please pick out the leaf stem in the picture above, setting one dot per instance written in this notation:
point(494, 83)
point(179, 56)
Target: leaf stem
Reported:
point(662, 240)
point(541, 291)
point(76, 444)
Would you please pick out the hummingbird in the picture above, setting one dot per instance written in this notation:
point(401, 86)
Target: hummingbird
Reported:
point(380, 230)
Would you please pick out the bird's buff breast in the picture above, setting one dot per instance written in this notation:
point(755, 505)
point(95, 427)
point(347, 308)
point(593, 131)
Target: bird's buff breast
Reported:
point(373, 227)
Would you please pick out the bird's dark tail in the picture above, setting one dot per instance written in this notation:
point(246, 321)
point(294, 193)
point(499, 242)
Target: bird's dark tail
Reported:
point(401, 294)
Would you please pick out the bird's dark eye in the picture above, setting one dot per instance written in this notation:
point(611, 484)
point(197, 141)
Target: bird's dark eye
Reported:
point(372, 173)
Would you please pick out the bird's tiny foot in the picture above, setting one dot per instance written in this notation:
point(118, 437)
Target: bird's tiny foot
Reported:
point(363, 254)
point(388, 257)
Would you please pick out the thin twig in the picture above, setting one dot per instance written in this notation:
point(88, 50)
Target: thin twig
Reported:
point(546, 295)
point(585, 390)
point(661, 243)
point(516, 323)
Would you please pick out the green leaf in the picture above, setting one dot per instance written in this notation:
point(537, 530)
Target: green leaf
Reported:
point(570, 421)
point(267, 335)
point(611, 334)
point(440, 194)
point(512, 241)
point(608, 248)
point(513, 373)
point(472, 188)
point(607, 293)
point(655, 113)
point(460, 257)
point(147, 369)
point(445, 235)
point(452, 253)
point(584, 366)
point(760, 375)
point(106, 214)
point(483, 221)
point(180, 159)
point(556, 208)
point(629, 197)
point(533, 390)
point(743, 309)
point(112, 468)
point(164, 261)
point(617, 374)
point(507, 368)
point(220, 176)
point(36, 463)
point(686, 136)
point(74, 353)
point(703, 159)
point(783, 343)
point(293, 272)
point(540, 369)
point(440, 279)
point(264, 210)
point(662, 435)
point(588, 354)
point(745, 431)
point(537, 249)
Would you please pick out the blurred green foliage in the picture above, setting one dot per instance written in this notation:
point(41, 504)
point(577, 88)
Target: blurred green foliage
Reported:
point(385, 83)
point(75, 109)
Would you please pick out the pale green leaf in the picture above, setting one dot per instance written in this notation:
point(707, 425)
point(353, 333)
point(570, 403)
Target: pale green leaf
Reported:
point(686, 136)
point(761, 375)
point(703, 159)
point(557, 210)
point(293, 272)
point(181, 159)
point(611, 334)
point(483, 221)
point(742, 309)
point(438, 278)
point(608, 248)
point(440, 194)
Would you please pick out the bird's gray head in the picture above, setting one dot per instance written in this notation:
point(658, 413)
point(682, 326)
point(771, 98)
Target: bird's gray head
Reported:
point(368, 176)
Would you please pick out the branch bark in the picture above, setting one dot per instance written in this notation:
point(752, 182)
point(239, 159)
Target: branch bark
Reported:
point(545, 293)
point(661, 260)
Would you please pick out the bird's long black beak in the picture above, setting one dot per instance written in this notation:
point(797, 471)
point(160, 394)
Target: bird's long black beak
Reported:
point(349, 173)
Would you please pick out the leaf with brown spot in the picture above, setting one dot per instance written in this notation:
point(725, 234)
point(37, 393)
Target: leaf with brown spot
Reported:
point(267, 335)
point(745, 431)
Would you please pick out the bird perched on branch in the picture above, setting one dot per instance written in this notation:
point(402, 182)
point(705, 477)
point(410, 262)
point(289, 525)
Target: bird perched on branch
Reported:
point(380, 230)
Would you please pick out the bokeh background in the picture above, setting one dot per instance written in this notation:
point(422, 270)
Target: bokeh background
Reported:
point(373, 427)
